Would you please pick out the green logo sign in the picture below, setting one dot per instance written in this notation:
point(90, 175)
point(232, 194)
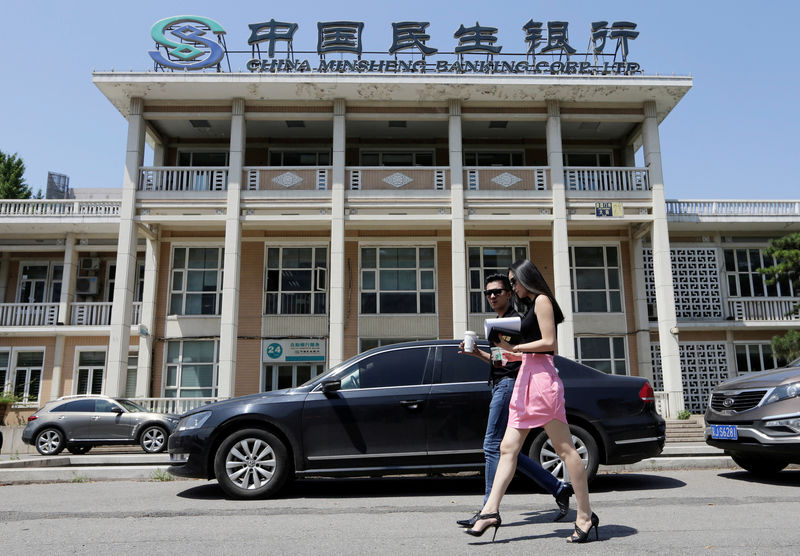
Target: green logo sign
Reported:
point(185, 40)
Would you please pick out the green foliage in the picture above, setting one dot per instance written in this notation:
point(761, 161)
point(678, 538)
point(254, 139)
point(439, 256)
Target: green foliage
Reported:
point(78, 478)
point(786, 251)
point(12, 182)
point(161, 475)
point(684, 414)
point(787, 347)
point(9, 397)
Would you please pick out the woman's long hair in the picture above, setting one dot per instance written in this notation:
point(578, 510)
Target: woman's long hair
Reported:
point(532, 280)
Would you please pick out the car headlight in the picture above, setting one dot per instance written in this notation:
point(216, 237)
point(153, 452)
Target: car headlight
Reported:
point(783, 392)
point(194, 421)
point(791, 424)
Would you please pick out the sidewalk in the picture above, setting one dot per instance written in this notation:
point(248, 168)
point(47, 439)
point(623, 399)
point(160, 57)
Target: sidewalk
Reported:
point(130, 463)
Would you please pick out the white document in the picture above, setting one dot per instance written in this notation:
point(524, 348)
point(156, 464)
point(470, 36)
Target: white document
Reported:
point(507, 323)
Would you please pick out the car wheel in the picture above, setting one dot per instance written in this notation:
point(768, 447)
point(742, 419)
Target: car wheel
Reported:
point(153, 439)
point(78, 450)
point(49, 442)
point(542, 451)
point(761, 466)
point(251, 463)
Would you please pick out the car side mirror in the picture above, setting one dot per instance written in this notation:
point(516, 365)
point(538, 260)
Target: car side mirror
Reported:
point(330, 386)
point(118, 410)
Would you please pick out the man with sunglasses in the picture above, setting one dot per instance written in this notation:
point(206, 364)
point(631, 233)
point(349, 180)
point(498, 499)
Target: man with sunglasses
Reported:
point(497, 290)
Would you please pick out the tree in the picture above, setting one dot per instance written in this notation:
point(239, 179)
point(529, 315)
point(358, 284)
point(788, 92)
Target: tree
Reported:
point(786, 252)
point(12, 182)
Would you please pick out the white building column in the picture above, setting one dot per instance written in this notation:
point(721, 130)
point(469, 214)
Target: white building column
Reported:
point(229, 323)
point(336, 289)
point(561, 279)
point(58, 365)
point(640, 307)
point(147, 320)
point(67, 281)
point(457, 238)
point(119, 339)
point(662, 266)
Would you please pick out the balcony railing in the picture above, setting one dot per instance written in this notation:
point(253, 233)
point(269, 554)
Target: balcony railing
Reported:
point(28, 314)
point(506, 178)
point(733, 208)
point(283, 178)
point(173, 405)
point(38, 207)
point(761, 308)
point(431, 178)
point(591, 178)
point(91, 314)
point(172, 178)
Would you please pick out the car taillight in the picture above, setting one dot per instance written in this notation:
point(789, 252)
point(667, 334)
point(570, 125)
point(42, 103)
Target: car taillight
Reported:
point(646, 394)
point(32, 418)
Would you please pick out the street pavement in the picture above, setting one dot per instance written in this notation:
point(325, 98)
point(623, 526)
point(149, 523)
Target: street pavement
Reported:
point(675, 512)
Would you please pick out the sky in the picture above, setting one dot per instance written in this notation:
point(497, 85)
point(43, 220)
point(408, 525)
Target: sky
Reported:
point(733, 136)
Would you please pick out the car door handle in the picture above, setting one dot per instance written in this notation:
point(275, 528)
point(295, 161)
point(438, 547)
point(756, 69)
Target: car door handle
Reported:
point(95, 418)
point(411, 404)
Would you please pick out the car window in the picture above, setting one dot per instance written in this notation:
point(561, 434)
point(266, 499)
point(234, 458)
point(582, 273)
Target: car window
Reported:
point(460, 368)
point(104, 406)
point(76, 406)
point(397, 367)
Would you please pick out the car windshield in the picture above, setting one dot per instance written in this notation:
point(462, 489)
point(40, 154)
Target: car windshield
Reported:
point(132, 407)
point(795, 363)
point(327, 373)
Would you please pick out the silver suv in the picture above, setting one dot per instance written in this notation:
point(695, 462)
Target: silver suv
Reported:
point(78, 423)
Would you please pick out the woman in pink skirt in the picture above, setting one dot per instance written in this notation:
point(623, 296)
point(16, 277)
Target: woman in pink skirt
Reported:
point(537, 401)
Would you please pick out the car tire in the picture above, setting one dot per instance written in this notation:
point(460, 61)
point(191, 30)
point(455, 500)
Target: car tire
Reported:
point(153, 439)
point(252, 463)
point(542, 452)
point(49, 442)
point(78, 450)
point(760, 466)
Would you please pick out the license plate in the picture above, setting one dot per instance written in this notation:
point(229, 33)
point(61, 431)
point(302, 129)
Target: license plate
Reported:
point(724, 432)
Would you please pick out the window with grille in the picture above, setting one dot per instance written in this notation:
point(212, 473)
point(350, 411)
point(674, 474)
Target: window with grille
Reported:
point(483, 262)
point(744, 280)
point(752, 358)
point(604, 353)
point(595, 273)
point(398, 280)
point(91, 372)
point(191, 370)
point(296, 280)
point(196, 281)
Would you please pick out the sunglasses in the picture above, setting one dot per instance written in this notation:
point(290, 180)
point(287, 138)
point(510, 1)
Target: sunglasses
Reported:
point(496, 291)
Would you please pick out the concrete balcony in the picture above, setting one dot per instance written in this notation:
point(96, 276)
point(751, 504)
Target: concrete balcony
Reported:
point(416, 178)
point(591, 178)
point(176, 178)
point(45, 208)
point(91, 313)
point(732, 208)
point(283, 178)
point(507, 178)
point(762, 309)
point(28, 314)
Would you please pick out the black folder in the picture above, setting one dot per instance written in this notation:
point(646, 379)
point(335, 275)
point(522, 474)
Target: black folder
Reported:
point(513, 337)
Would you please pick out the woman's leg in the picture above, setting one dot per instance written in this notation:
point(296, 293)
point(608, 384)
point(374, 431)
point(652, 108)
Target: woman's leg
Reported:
point(561, 438)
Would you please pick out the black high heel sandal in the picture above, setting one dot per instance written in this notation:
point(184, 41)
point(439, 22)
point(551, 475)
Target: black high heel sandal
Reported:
point(480, 533)
point(469, 522)
point(562, 499)
point(580, 536)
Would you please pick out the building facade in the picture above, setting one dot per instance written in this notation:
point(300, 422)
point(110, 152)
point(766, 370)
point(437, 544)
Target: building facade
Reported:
point(290, 221)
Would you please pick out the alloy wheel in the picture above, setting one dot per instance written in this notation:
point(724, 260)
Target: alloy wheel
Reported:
point(153, 440)
point(250, 463)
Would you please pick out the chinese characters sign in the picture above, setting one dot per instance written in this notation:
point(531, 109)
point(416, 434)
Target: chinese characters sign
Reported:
point(295, 350)
point(188, 42)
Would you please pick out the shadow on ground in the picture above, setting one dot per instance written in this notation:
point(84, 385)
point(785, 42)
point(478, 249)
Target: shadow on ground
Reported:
point(788, 477)
point(417, 485)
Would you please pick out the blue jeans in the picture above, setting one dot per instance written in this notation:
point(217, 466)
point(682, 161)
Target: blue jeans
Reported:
point(495, 429)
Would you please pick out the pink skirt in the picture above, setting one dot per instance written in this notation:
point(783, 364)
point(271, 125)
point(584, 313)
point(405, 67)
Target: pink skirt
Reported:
point(538, 395)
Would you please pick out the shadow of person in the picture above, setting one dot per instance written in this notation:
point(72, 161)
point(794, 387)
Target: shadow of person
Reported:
point(207, 491)
point(626, 482)
point(606, 532)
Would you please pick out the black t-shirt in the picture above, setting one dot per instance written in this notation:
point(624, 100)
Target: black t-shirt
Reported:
point(512, 367)
point(529, 328)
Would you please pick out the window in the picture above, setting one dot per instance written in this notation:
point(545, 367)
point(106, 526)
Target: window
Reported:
point(752, 358)
point(493, 158)
point(588, 159)
point(603, 353)
point(741, 267)
point(40, 283)
point(595, 279)
point(461, 368)
point(192, 367)
point(288, 375)
point(27, 374)
point(296, 280)
point(91, 370)
point(4, 377)
point(299, 158)
point(196, 281)
point(138, 287)
point(398, 280)
point(397, 158)
point(78, 406)
point(130, 378)
point(400, 367)
point(208, 158)
point(484, 261)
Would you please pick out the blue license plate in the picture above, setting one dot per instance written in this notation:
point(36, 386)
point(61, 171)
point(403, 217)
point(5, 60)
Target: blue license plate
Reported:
point(724, 432)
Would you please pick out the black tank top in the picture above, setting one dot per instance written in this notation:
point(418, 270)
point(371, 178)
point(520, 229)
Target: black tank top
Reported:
point(529, 328)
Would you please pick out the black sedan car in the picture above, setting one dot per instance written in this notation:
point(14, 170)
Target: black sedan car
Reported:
point(416, 407)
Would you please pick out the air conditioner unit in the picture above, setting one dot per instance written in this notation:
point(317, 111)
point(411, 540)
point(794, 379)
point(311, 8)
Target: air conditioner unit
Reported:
point(90, 263)
point(86, 285)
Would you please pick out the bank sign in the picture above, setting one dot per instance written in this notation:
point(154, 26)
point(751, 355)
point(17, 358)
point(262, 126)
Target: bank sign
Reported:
point(294, 350)
point(189, 42)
